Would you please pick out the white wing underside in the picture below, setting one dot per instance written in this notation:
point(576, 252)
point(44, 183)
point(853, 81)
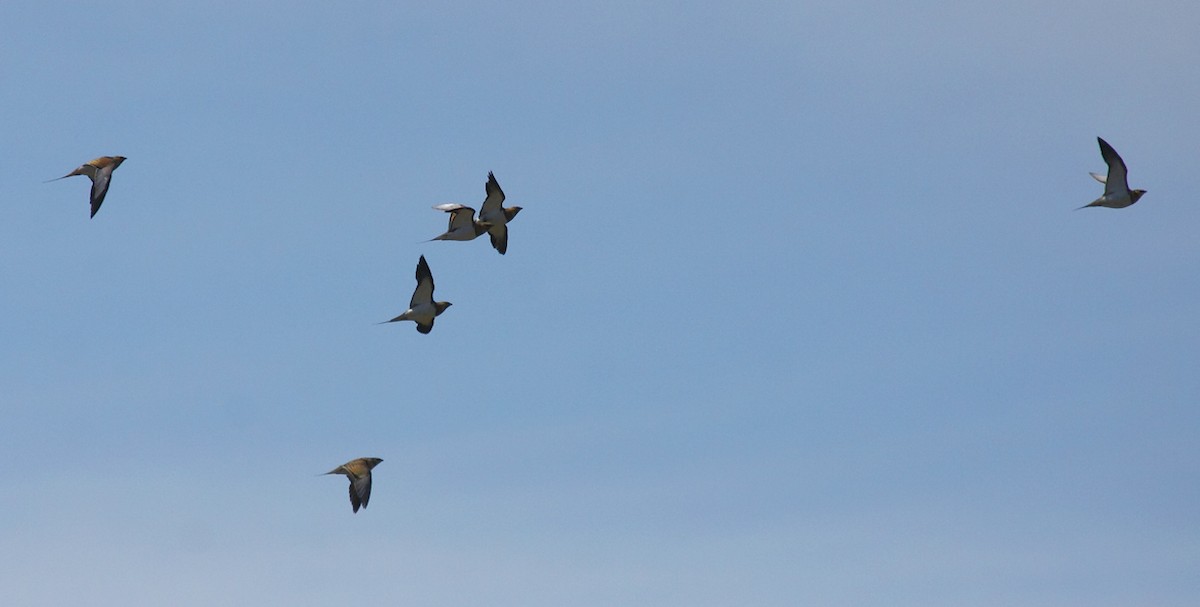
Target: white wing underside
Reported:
point(422, 296)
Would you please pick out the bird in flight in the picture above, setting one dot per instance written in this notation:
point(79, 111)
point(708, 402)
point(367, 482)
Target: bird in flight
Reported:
point(496, 217)
point(463, 225)
point(100, 171)
point(1117, 194)
point(359, 473)
point(422, 309)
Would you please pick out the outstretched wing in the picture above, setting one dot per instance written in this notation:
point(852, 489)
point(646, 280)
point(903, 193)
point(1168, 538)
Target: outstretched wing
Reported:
point(499, 236)
point(360, 491)
point(495, 197)
point(462, 218)
point(1116, 183)
point(100, 181)
point(424, 291)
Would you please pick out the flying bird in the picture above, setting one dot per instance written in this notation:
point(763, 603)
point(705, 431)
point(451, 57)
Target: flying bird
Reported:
point(463, 225)
point(359, 473)
point(100, 172)
point(422, 309)
point(1117, 194)
point(496, 217)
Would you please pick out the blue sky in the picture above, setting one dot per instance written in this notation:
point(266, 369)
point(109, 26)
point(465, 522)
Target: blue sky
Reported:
point(798, 312)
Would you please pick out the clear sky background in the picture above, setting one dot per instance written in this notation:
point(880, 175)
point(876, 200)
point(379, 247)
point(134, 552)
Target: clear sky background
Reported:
point(798, 311)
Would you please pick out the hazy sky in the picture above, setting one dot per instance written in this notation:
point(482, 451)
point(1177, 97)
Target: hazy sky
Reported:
point(798, 311)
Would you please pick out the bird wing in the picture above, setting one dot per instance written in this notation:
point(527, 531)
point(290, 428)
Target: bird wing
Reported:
point(495, 197)
point(360, 491)
point(461, 218)
point(425, 329)
point(423, 294)
point(1116, 181)
point(499, 236)
point(1099, 177)
point(100, 180)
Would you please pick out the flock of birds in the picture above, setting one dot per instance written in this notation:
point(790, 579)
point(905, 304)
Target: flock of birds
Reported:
point(493, 220)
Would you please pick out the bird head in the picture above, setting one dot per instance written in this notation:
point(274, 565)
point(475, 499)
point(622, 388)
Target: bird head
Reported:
point(441, 306)
point(117, 160)
point(372, 462)
point(510, 212)
point(1134, 195)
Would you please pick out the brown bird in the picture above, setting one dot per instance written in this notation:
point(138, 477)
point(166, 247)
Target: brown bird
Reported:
point(496, 217)
point(100, 171)
point(359, 473)
point(422, 309)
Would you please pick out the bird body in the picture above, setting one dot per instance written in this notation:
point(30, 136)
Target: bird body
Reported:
point(463, 225)
point(100, 171)
point(359, 473)
point(1117, 194)
point(495, 216)
point(422, 309)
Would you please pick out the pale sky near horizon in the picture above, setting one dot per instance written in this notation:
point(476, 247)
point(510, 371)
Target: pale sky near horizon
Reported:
point(798, 311)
